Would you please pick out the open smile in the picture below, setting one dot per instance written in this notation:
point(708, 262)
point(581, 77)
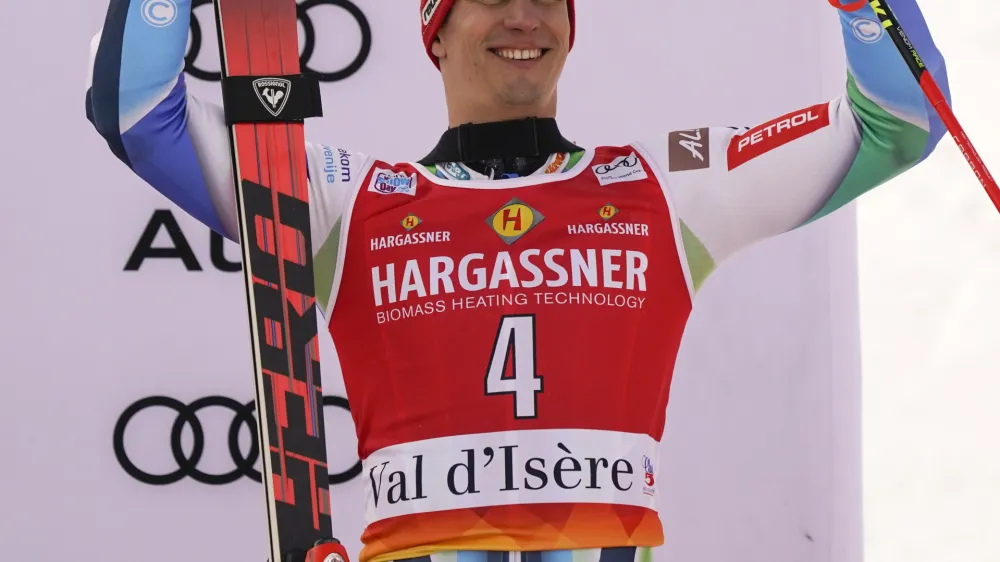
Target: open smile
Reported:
point(519, 54)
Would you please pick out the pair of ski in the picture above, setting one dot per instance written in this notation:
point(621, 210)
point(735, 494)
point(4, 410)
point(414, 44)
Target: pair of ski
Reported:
point(266, 99)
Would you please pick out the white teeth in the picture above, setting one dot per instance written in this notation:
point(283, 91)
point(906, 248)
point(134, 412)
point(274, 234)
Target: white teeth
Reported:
point(519, 54)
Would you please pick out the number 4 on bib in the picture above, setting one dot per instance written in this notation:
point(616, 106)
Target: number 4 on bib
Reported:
point(515, 346)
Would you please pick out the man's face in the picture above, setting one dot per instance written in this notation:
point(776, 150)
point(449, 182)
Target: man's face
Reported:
point(507, 52)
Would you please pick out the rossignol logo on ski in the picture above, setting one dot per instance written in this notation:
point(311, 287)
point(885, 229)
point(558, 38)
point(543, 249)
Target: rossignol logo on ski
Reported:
point(273, 93)
point(388, 182)
point(623, 168)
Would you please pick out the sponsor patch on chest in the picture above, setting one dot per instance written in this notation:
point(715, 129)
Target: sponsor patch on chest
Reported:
point(608, 212)
point(387, 182)
point(621, 169)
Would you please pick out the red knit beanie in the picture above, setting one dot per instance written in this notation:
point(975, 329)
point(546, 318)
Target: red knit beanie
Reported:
point(434, 12)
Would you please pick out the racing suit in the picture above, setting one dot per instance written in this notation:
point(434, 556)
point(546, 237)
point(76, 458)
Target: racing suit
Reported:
point(507, 340)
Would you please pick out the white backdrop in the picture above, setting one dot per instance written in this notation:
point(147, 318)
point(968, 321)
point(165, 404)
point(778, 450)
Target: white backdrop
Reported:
point(762, 449)
point(929, 265)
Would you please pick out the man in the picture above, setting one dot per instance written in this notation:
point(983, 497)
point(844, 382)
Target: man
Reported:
point(507, 310)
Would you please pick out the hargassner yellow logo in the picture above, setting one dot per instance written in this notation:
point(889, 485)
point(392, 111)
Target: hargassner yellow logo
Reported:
point(607, 212)
point(514, 220)
point(410, 222)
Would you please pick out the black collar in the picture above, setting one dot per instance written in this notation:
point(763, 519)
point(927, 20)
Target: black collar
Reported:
point(526, 138)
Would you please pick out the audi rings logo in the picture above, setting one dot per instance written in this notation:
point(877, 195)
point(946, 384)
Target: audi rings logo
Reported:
point(187, 461)
point(308, 48)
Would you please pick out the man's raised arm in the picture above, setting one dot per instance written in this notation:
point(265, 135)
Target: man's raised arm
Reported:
point(732, 186)
point(138, 101)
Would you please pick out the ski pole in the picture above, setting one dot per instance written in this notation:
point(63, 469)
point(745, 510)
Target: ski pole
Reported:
point(931, 90)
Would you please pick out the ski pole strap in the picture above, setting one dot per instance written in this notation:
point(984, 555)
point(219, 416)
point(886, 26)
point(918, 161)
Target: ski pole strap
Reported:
point(270, 99)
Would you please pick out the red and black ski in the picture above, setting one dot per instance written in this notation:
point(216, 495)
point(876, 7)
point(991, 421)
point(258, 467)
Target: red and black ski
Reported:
point(266, 99)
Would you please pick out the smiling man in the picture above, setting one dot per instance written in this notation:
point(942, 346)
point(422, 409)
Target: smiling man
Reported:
point(508, 309)
point(499, 72)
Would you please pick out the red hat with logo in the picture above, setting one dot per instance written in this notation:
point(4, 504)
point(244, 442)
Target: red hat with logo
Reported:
point(434, 12)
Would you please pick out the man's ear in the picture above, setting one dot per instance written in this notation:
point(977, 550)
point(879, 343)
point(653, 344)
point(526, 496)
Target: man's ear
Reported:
point(438, 49)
